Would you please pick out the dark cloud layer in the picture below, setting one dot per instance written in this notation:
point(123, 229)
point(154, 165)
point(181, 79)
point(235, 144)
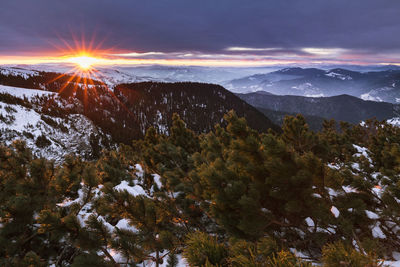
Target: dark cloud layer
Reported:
point(207, 26)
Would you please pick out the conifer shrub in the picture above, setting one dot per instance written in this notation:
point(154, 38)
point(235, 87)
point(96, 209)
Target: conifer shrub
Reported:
point(13, 100)
point(10, 109)
point(85, 259)
point(32, 259)
point(28, 135)
point(10, 119)
point(42, 141)
point(3, 119)
point(251, 196)
point(202, 249)
point(244, 253)
point(340, 254)
point(286, 259)
point(172, 260)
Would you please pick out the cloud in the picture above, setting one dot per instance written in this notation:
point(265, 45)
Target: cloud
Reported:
point(136, 54)
point(327, 52)
point(249, 49)
point(208, 27)
point(257, 56)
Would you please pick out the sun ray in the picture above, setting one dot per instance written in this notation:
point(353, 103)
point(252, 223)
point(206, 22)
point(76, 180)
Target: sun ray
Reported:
point(76, 85)
point(67, 82)
point(78, 44)
point(84, 76)
point(69, 47)
point(57, 78)
point(85, 97)
point(83, 41)
point(92, 41)
point(92, 83)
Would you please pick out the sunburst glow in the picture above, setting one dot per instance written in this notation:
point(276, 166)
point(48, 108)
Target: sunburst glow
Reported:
point(84, 62)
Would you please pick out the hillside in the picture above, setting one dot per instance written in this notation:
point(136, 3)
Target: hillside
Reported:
point(201, 106)
point(53, 135)
point(341, 108)
point(122, 113)
point(297, 198)
point(278, 117)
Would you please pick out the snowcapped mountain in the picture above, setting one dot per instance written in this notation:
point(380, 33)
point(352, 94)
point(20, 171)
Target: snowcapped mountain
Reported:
point(215, 75)
point(383, 86)
point(341, 74)
point(109, 76)
point(113, 75)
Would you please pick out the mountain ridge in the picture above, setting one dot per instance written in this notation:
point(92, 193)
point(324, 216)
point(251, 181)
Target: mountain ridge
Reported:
point(383, 86)
point(341, 108)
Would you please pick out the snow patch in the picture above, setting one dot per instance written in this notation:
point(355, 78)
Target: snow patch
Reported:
point(135, 190)
point(377, 231)
point(349, 189)
point(157, 180)
point(369, 97)
point(362, 151)
point(371, 215)
point(310, 222)
point(339, 76)
point(394, 121)
point(335, 211)
point(21, 92)
point(123, 224)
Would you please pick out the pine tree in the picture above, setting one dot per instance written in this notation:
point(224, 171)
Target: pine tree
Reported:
point(25, 185)
point(252, 183)
point(202, 249)
point(172, 260)
point(338, 254)
point(297, 134)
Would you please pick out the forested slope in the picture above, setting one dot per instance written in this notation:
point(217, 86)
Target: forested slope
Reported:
point(231, 197)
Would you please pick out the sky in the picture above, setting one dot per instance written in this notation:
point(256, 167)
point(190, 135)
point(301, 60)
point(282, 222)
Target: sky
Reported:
point(203, 32)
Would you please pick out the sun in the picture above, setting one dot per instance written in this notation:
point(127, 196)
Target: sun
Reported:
point(84, 62)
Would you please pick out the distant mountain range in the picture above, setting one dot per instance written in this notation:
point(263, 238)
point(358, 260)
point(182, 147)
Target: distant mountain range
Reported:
point(378, 86)
point(127, 74)
point(341, 108)
point(377, 83)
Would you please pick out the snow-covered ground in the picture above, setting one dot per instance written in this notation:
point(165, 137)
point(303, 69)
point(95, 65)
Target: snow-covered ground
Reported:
point(21, 92)
point(16, 71)
point(394, 121)
point(69, 134)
